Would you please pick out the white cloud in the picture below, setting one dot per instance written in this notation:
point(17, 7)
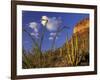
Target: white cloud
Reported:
point(36, 35)
point(34, 26)
point(35, 30)
point(53, 34)
point(51, 38)
point(53, 24)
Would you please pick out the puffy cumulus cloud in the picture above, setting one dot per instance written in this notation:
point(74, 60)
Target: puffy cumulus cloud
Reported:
point(34, 26)
point(51, 38)
point(51, 23)
point(53, 34)
point(36, 30)
point(36, 35)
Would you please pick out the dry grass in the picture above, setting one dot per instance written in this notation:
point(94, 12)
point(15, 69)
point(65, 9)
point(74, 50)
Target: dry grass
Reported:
point(70, 54)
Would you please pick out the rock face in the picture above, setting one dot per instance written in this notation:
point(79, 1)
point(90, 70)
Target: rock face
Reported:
point(82, 31)
point(78, 46)
point(81, 26)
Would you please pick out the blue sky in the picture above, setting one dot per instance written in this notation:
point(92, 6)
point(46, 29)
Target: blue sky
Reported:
point(31, 21)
